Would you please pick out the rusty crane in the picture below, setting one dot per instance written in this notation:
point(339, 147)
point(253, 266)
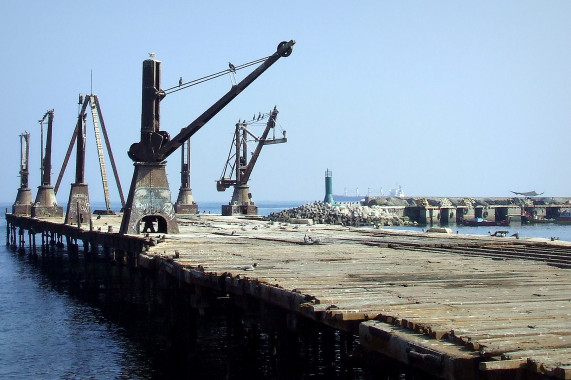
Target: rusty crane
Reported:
point(46, 203)
point(24, 199)
point(149, 200)
point(185, 203)
point(238, 165)
point(78, 206)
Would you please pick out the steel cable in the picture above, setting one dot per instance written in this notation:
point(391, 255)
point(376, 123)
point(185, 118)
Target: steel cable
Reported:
point(211, 76)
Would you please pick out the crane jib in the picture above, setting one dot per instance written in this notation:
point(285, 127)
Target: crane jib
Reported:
point(284, 50)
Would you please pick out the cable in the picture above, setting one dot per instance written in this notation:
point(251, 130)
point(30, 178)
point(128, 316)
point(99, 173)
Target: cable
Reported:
point(211, 76)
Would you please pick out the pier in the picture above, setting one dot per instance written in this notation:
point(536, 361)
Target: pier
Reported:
point(452, 306)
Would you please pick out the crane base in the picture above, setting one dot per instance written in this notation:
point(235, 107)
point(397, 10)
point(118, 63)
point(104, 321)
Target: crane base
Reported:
point(149, 207)
point(185, 203)
point(46, 203)
point(78, 208)
point(186, 209)
point(241, 203)
point(24, 201)
point(229, 210)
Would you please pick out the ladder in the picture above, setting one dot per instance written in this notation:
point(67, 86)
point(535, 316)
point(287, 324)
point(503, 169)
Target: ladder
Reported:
point(97, 131)
point(98, 126)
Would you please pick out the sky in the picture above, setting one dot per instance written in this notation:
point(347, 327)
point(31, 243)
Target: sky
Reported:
point(444, 98)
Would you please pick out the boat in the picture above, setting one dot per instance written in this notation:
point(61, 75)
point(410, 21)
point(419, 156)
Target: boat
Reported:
point(528, 218)
point(537, 220)
point(440, 230)
point(483, 222)
point(564, 217)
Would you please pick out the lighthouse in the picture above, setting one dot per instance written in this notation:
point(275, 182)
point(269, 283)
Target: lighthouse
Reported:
point(328, 187)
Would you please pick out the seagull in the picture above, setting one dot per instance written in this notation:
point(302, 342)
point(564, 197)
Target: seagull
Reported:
point(232, 73)
point(249, 267)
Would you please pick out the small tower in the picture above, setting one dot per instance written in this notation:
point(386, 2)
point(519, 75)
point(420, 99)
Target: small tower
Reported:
point(328, 187)
point(24, 199)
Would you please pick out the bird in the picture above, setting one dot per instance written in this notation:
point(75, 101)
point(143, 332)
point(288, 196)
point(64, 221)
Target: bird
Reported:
point(249, 267)
point(232, 67)
point(152, 55)
point(180, 81)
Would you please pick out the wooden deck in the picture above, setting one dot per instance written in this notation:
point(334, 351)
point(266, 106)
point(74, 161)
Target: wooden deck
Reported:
point(456, 306)
point(441, 310)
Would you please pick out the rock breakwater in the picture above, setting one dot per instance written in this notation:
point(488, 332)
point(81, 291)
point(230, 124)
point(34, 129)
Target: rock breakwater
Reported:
point(342, 214)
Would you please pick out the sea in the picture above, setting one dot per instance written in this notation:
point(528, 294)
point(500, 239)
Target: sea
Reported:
point(47, 331)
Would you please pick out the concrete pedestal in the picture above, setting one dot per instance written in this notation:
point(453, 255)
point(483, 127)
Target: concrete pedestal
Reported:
point(427, 216)
point(46, 203)
point(447, 216)
point(185, 203)
point(78, 207)
point(24, 202)
point(241, 204)
point(149, 207)
point(229, 210)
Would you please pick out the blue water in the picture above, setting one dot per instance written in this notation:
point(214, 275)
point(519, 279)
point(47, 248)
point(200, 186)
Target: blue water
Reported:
point(264, 208)
point(48, 333)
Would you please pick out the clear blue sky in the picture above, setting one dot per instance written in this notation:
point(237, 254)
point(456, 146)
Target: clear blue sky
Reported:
point(445, 98)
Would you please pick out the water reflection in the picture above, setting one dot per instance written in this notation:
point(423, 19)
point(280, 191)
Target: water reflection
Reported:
point(46, 334)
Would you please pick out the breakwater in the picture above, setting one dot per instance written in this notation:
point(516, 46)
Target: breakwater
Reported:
point(452, 210)
point(353, 214)
point(410, 211)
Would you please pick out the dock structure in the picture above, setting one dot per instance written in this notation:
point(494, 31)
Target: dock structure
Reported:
point(454, 306)
point(452, 210)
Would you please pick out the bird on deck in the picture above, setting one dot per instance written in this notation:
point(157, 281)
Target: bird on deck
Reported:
point(249, 267)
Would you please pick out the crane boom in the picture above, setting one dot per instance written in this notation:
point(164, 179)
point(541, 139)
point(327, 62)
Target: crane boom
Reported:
point(271, 124)
point(284, 50)
point(241, 167)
